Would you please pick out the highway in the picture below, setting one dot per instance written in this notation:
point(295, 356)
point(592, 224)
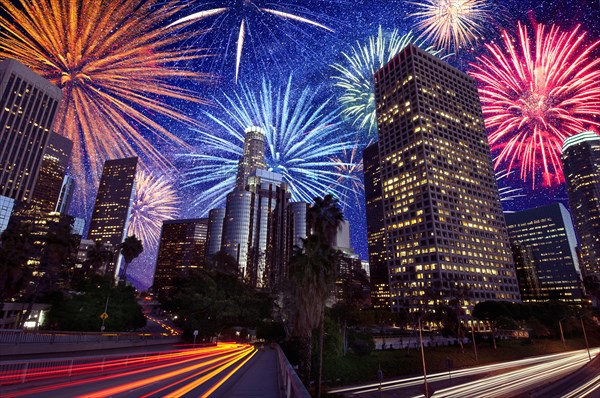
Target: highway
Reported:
point(506, 379)
point(197, 372)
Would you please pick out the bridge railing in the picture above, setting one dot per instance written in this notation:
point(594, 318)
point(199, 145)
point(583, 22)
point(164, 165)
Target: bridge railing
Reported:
point(19, 336)
point(291, 385)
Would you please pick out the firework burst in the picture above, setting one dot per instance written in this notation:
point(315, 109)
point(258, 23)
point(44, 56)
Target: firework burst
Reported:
point(535, 92)
point(113, 62)
point(452, 23)
point(349, 168)
point(355, 75)
point(155, 200)
point(242, 13)
point(301, 136)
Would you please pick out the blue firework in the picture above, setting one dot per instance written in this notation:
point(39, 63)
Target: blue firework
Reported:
point(303, 138)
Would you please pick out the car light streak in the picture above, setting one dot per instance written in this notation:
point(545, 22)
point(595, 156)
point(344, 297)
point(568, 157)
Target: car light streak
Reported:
point(207, 355)
point(164, 376)
point(189, 387)
point(585, 389)
point(227, 376)
point(35, 374)
point(552, 360)
point(511, 383)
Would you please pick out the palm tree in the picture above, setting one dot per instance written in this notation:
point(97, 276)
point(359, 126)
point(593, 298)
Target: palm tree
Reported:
point(311, 274)
point(130, 249)
point(325, 219)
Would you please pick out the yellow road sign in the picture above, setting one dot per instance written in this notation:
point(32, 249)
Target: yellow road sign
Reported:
point(104, 315)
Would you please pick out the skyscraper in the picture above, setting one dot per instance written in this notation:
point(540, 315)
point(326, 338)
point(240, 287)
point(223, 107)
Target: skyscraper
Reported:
point(256, 216)
point(527, 273)
point(444, 227)
point(28, 105)
point(215, 230)
point(66, 194)
point(378, 270)
point(52, 173)
point(113, 203)
point(548, 232)
point(581, 167)
point(182, 248)
point(253, 157)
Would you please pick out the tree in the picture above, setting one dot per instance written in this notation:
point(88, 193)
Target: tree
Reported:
point(311, 276)
point(325, 219)
point(16, 247)
point(81, 310)
point(130, 249)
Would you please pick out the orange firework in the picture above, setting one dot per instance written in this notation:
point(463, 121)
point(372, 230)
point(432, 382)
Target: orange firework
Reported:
point(116, 64)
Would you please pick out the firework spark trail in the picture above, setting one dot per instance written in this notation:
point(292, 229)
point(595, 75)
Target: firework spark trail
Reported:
point(113, 62)
point(355, 75)
point(349, 166)
point(301, 138)
point(452, 23)
point(155, 200)
point(248, 7)
point(535, 92)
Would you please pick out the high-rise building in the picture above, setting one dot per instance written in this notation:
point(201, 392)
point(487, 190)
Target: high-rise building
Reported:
point(581, 167)
point(6, 208)
point(378, 270)
point(28, 105)
point(113, 204)
point(66, 194)
point(527, 274)
point(215, 230)
point(253, 157)
point(52, 173)
point(548, 232)
point(298, 226)
point(444, 227)
point(182, 248)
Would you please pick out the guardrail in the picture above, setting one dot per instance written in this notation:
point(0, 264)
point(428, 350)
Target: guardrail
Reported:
point(291, 386)
point(18, 336)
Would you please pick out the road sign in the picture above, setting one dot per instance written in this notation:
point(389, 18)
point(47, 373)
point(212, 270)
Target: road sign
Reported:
point(196, 332)
point(103, 316)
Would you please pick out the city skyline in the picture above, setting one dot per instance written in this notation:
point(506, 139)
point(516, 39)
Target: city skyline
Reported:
point(308, 53)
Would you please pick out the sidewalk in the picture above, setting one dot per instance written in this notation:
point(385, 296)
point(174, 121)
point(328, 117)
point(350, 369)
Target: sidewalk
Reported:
point(258, 378)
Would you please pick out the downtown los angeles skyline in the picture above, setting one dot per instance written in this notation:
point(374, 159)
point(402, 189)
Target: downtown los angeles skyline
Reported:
point(288, 74)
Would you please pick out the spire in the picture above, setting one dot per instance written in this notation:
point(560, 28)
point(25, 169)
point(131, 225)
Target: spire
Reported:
point(253, 157)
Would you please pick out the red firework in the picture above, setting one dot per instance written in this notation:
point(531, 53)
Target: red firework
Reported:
point(535, 92)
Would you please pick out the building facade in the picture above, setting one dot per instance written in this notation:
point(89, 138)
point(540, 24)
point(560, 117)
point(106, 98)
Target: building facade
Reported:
point(378, 270)
point(548, 233)
point(52, 173)
point(527, 273)
point(110, 216)
point(253, 157)
point(6, 208)
point(444, 227)
point(28, 106)
point(581, 167)
point(215, 231)
point(182, 248)
point(65, 196)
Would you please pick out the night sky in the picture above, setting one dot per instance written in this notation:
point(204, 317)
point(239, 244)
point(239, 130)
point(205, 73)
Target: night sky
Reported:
point(276, 48)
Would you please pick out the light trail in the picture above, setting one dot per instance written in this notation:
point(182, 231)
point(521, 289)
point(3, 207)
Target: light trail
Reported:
point(174, 368)
point(552, 360)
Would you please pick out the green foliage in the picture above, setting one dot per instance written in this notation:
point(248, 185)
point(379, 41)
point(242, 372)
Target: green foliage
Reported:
point(361, 342)
point(211, 301)
point(16, 246)
point(81, 311)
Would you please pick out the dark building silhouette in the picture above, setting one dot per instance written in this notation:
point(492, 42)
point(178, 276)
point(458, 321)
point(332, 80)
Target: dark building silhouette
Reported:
point(378, 270)
point(527, 274)
point(52, 173)
point(28, 105)
point(548, 232)
point(110, 216)
point(182, 248)
point(581, 167)
point(444, 227)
